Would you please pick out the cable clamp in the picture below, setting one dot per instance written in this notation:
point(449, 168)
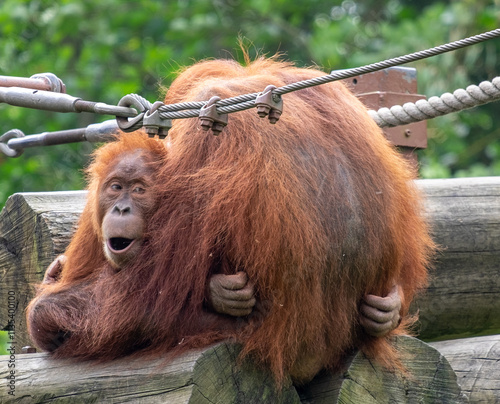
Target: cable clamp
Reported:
point(269, 104)
point(154, 124)
point(210, 118)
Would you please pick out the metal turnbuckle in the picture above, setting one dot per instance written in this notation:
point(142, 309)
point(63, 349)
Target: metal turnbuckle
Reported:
point(40, 81)
point(58, 102)
point(13, 142)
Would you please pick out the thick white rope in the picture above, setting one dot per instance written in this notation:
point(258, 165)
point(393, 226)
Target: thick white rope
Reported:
point(461, 99)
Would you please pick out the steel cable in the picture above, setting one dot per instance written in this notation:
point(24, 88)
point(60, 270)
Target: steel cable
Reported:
point(246, 101)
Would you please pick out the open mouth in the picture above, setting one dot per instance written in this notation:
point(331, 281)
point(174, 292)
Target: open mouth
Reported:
point(120, 244)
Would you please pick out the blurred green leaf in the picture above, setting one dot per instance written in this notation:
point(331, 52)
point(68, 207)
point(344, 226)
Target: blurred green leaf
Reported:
point(105, 49)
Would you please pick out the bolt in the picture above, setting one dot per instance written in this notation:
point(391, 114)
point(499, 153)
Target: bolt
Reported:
point(407, 132)
point(206, 123)
point(274, 116)
point(217, 128)
point(263, 110)
point(162, 133)
point(152, 131)
point(28, 349)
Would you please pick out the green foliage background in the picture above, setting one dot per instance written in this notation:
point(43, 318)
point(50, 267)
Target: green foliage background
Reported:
point(105, 49)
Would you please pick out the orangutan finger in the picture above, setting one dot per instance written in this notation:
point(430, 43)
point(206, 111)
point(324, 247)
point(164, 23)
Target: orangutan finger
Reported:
point(233, 282)
point(388, 303)
point(54, 269)
point(376, 315)
point(376, 329)
point(233, 307)
point(245, 294)
point(239, 312)
point(240, 304)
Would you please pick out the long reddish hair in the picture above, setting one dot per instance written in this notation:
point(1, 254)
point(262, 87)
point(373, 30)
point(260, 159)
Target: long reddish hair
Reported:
point(318, 209)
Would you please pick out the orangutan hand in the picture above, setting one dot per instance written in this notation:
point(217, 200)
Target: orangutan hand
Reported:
point(231, 294)
point(380, 315)
point(54, 270)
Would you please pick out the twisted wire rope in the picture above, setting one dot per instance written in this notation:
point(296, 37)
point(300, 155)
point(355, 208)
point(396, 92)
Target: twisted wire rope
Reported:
point(247, 101)
point(397, 115)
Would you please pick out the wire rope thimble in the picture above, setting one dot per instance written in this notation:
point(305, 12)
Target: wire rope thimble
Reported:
point(210, 118)
point(130, 125)
point(4, 146)
point(269, 104)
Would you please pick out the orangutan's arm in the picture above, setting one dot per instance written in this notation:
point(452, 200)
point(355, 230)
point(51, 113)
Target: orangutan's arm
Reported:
point(234, 295)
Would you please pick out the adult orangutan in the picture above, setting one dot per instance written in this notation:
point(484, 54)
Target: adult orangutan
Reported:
point(120, 204)
point(317, 210)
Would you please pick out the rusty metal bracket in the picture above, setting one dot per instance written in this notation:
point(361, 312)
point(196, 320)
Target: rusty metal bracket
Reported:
point(269, 104)
point(210, 118)
point(388, 87)
point(154, 124)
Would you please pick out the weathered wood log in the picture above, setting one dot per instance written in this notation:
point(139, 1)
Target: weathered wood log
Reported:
point(429, 379)
point(463, 298)
point(215, 375)
point(476, 361)
point(34, 228)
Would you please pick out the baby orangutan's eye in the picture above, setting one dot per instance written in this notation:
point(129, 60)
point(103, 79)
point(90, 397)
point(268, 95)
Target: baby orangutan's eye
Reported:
point(115, 186)
point(139, 190)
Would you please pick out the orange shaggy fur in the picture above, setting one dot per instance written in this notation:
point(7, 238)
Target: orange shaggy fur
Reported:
point(318, 210)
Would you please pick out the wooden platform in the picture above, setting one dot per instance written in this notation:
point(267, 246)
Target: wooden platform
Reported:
point(214, 375)
point(463, 300)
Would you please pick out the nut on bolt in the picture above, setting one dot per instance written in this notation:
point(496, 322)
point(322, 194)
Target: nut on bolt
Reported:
point(274, 116)
point(263, 110)
point(206, 123)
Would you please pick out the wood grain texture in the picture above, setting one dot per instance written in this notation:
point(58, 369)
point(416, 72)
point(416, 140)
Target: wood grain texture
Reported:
point(34, 228)
point(214, 375)
point(429, 379)
point(476, 361)
point(463, 298)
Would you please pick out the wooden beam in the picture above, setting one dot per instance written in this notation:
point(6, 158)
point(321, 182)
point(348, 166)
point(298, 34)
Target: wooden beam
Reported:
point(34, 228)
point(476, 361)
point(214, 375)
point(463, 298)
